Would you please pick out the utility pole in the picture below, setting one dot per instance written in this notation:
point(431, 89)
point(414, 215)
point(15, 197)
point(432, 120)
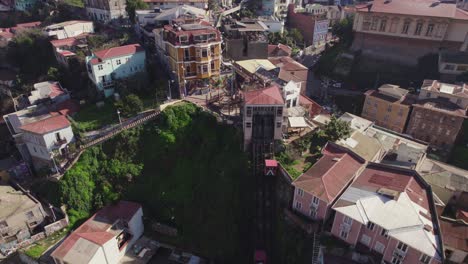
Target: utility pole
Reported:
point(118, 114)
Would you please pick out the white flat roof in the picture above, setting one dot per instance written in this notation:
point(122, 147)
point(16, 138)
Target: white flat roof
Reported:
point(297, 122)
point(400, 217)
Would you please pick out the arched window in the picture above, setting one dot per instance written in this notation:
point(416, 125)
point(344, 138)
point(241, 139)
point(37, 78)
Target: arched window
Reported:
point(394, 24)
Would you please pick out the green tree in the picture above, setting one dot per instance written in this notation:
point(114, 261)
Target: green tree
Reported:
point(53, 74)
point(132, 6)
point(130, 105)
point(295, 36)
point(344, 31)
point(336, 129)
point(31, 52)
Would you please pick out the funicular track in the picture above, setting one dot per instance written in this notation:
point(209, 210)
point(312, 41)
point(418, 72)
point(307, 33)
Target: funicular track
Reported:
point(265, 202)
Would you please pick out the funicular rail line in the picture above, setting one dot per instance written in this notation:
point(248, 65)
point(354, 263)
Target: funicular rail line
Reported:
point(264, 198)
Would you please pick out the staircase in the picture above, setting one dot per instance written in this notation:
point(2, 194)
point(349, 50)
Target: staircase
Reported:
point(315, 248)
point(120, 129)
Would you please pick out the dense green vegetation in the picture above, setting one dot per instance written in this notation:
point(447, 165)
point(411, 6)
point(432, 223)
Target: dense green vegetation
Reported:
point(93, 117)
point(132, 6)
point(38, 248)
point(193, 175)
point(302, 154)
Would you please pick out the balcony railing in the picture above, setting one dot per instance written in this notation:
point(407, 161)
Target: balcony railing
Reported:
point(107, 84)
point(60, 142)
point(398, 253)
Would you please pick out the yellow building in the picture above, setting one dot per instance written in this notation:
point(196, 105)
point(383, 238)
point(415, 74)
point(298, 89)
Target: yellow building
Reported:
point(388, 107)
point(194, 54)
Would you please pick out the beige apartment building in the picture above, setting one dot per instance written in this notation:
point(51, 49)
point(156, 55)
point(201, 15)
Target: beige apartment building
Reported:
point(388, 107)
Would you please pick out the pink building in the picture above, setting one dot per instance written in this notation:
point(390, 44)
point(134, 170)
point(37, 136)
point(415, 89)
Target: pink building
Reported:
point(390, 211)
point(317, 189)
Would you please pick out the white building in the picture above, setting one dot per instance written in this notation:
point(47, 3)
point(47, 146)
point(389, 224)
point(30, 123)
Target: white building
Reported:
point(104, 238)
point(274, 24)
point(263, 115)
point(291, 92)
point(105, 66)
point(168, 4)
point(106, 10)
point(41, 133)
point(457, 94)
point(46, 139)
point(69, 29)
point(48, 91)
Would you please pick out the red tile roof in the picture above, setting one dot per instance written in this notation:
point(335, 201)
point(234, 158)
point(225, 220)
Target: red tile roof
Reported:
point(377, 176)
point(6, 33)
point(330, 174)
point(55, 89)
point(279, 50)
point(290, 70)
point(27, 25)
point(266, 96)
point(119, 51)
point(68, 107)
point(95, 228)
point(454, 235)
point(47, 125)
point(271, 163)
point(312, 107)
point(430, 8)
point(66, 53)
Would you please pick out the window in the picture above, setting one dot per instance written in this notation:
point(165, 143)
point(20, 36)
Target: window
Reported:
point(383, 25)
point(186, 54)
point(394, 25)
point(366, 23)
point(449, 67)
point(212, 66)
point(99, 67)
point(365, 239)
point(183, 39)
point(428, 95)
point(405, 27)
point(459, 100)
point(347, 220)
point(374, 23)
point(249, 111)
point(279, 111)
point(344, 234)
point(389, 108)
point(300, 192)
point(118, 62)
point(396, 260)
point(379, 247)
point(402, 246)
point(370, 226)
point(30, 215)
point(384, 233)
point(430, 29)
point(204, 53)
point(298, 205)
point(418, 29)
point(424, 259)
point(278, 124)
point(248, 125)
point(313, 213)
point(315, 200)
point(35, 150)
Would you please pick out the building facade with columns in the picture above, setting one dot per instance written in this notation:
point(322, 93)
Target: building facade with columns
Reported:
point(403, 31)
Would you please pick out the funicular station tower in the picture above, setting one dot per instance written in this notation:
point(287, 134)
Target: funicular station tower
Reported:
point(263, 124)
